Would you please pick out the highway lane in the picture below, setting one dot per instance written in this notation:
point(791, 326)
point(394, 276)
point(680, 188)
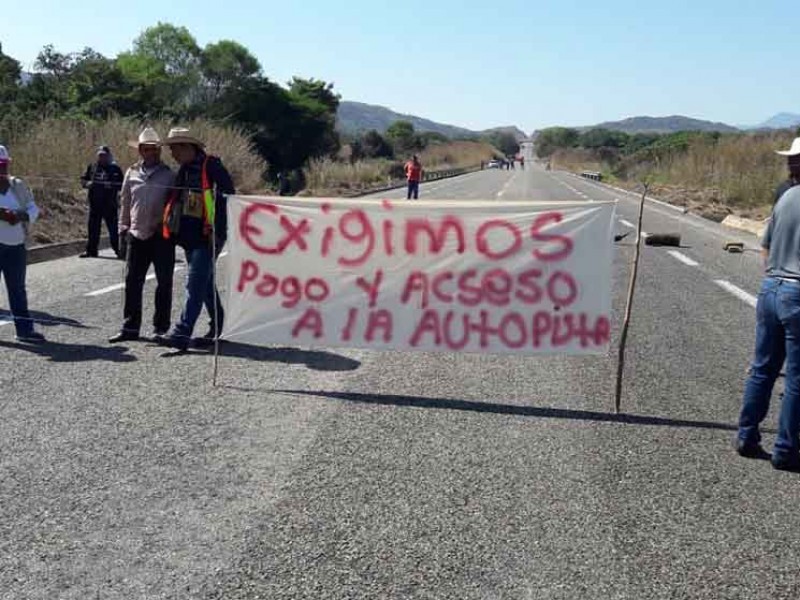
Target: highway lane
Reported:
point(367, 474)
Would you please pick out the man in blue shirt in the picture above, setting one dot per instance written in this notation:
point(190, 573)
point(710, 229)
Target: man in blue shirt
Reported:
point(777, 339)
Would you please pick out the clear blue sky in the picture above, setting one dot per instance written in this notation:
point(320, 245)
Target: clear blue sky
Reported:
point(479, 64)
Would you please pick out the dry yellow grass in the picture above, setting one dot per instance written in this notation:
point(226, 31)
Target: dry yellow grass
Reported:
point(52, 154)
point(55, 152)
point(335, 177)
point(736, 174)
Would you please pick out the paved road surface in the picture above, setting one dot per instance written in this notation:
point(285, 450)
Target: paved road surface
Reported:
point(354, 474)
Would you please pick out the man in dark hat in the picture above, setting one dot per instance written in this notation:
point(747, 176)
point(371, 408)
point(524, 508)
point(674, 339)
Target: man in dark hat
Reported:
point(103, 179)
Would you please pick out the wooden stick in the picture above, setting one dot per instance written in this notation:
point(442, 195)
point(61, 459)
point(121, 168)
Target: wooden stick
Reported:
point(629, 306)
point(216, 308)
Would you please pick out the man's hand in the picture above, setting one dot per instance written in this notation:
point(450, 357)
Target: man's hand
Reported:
point(9, 216)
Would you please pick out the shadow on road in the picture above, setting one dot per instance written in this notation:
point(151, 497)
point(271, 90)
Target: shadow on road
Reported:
point(510, 409)
point(44, 319)
point(70, 353)
point(316, 360)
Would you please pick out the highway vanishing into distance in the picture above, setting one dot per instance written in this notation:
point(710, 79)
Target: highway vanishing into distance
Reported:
point(357, 474)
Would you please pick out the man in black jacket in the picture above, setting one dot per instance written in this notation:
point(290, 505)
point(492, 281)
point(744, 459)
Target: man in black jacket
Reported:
point(195, 217)
point(103, 179)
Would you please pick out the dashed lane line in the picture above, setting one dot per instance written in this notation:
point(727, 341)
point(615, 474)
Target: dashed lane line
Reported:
point(737, 291)
point(119, 286)
point(689, 262)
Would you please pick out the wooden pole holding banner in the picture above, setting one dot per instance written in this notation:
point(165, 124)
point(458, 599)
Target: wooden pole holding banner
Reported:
point(629, 305)
point(216, 308)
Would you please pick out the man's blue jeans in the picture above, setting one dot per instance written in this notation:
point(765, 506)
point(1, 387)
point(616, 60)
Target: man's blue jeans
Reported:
point(777, 339)
point(13, 265)
point(200, 289)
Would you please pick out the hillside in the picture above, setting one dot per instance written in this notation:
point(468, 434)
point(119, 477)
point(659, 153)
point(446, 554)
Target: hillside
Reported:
point(671, 124)
point(780, 121)
point(354, 117)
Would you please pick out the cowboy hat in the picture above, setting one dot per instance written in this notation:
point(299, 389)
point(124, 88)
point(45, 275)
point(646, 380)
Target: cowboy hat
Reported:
point(5, 157)
point(148, 137)
point(182, 135)
point(793, 151)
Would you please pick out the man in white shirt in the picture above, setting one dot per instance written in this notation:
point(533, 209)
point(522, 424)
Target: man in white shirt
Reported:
point(17, 209)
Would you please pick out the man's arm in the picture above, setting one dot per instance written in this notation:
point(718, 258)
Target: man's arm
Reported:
point(224, 182)
point(766, 241)
point(86, 178)
point(125, 204)
point(29, 212)
point(116, 178)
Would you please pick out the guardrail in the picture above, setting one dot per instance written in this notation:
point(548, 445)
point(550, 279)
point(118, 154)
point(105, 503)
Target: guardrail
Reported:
point(595, 175)
point(393, 184)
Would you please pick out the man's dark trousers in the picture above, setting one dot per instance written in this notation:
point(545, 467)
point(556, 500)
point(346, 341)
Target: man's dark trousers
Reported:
point(100, 211)
point(141, 254)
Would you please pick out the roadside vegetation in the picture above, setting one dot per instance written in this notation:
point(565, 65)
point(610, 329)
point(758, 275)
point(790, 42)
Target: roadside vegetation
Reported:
point(54, 117)
point(713, 174)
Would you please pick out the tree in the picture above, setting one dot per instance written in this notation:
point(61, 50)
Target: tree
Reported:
point(317, 90)
point(374, 146)
point(504, 141)
point(225, 64)
point(174, 53)
point(96, 87)
point(287, 129)
point(555, 138)
point(10, 72)
point(603, 138)
point(402, 137)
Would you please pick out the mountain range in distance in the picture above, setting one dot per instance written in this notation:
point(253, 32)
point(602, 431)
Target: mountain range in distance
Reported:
point(355, 117)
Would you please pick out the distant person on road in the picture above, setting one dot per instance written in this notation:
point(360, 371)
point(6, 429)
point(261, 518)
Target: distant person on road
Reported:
point(195, 216)
point(144, 192)
point(103, 179)
point(793, 162)
point(522, 162)
point(777, 339)
point(413, 170)
point(17, 211)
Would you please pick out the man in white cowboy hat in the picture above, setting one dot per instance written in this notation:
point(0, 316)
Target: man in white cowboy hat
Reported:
point(195, 217)
point(777, 335)
point(793, 162)
point(145, 189)
point(103, 179)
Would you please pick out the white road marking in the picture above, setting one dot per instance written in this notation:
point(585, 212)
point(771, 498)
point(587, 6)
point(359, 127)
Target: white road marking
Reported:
point(737, 291)
point(119, 286)
point(106, 290)
point(684, 259)
point(627, 223)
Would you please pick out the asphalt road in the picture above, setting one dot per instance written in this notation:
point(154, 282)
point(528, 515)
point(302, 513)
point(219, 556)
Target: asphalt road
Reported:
point(356, 474)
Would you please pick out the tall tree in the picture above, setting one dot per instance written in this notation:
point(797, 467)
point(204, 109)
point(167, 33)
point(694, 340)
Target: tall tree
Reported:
point(227, 63)
point(317, 90)
point(10, 72)
point(402, 137)
point(173, 51)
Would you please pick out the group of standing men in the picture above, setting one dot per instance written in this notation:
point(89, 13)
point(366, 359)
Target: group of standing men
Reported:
point(159, 210)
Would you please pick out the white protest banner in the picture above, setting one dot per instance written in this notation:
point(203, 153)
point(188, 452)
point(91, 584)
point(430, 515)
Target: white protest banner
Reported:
point(451, 276)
